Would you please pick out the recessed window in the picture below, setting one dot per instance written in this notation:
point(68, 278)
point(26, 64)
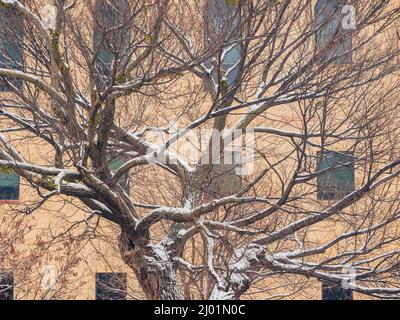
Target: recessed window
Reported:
point(6, 286)
point(335, 292)
point(338, 178)
point(222, 23)
point(11, 45)
point(110, 35)
point(333, 41)
point(111, 286)
point(9, 184)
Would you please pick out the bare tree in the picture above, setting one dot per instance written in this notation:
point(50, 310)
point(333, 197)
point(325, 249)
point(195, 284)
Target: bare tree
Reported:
point(28, 263)
point(316, 85)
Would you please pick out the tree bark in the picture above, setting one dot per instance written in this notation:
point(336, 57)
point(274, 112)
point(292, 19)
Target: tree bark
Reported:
point(153, 267)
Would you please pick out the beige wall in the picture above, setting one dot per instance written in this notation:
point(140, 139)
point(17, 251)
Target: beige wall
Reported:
point(96, 250)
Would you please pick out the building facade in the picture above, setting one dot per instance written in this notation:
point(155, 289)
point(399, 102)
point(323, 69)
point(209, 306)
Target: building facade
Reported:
point(71, 253)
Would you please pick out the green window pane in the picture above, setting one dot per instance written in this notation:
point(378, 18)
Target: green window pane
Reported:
point(123, 181)
point(109, 34)
point(11, 44)
point(116, 164)
point(340, 179)
point(104, 16)
point(9, 185)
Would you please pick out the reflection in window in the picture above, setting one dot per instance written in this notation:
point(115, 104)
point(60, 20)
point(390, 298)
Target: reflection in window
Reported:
point(332, 40)
point(338, 179)
point(11, 45)
point(111, 286)
point(223, 19)
point(335, 292)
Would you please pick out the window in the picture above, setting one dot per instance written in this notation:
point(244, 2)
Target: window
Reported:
point(110, 35)
point(332, 40)
point(6, 286)
point(338, 178)
point(225, 178)
point(223, 19)
point(111, 286)
point(124, 180)
point(11, 47)
point(335, 292)
point(9, 184)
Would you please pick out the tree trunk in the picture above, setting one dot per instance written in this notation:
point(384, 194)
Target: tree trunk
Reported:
point(153, 268)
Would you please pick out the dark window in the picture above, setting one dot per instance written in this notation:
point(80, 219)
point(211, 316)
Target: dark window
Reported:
point(339, 178)
point(225, 178)
point(332, 40)
point(222, 22)
point(11, 44)
point(9, 184)
point(110, 35)
point(335, 292)
point(111, 286)
point(6, 286)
